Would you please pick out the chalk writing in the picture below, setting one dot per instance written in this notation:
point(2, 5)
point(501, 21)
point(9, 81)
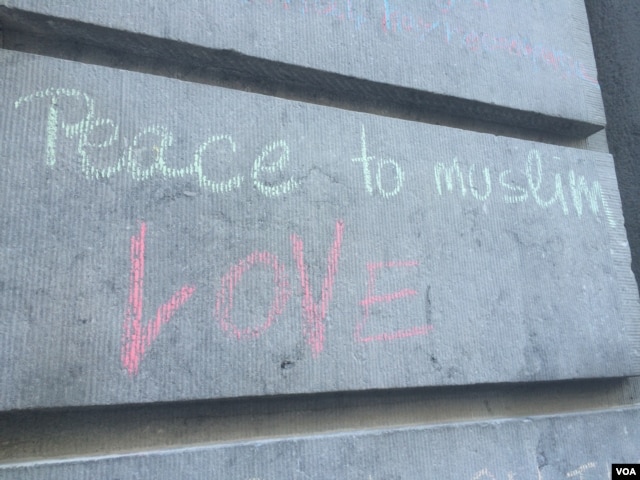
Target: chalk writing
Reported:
point(268, 176)
point(446, 6)
point(315, 313)
point(535, 182)
point(392, 18)
point(386, 298)
point(474, 190)
point(364, 158)
point(383, 177)
point(366, 170)
point(348, 11)
point(342, 10)
point(133, 155)
point(276, 167)
point(449, 172)
point(537, 55)
point(579, 188)
point(129, 158)
point(224, 296)
point(484, 473)
point(136, 338)
point(71, 120)
point(433, 18)
point(81, 129)
point(196, 168)
point(579, 472)
point(508, 198)
point(448, 176)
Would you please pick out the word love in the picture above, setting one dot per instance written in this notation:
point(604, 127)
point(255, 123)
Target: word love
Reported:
point(138, 337)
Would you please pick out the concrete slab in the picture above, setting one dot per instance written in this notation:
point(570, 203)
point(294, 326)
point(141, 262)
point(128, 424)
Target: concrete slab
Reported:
point(525, 64)
point(581, 446)
point(164, 240)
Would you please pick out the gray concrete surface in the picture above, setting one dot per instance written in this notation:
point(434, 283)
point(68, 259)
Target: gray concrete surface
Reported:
point(547, 448)
point(524, 64)
point(289, 248)
point(53, 434)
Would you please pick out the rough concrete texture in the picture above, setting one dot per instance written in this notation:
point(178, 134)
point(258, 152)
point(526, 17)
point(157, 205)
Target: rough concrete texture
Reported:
point(170, 241)
point(581, 446)
point(521, 63)
point(616, 33)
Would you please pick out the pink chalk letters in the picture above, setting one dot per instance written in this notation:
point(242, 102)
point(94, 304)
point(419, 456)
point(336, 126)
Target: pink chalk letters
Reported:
point(314, 314)
point(224, 297)
point(386, 298)
point(137, 338)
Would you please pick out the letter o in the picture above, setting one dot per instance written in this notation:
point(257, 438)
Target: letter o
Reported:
point(224, 296)
point(399, 178)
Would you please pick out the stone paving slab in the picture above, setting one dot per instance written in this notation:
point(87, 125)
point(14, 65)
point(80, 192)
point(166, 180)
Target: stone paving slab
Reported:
point(164, 241)
point(580, 446)
point(533, 59)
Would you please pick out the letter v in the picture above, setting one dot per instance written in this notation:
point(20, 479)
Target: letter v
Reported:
point(135, 338)
point(314, 314)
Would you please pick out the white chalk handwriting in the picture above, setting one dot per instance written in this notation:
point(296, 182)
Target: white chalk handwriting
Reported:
point(536, 181)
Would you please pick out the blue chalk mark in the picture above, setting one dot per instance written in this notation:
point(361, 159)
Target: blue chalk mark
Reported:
point(387, 14)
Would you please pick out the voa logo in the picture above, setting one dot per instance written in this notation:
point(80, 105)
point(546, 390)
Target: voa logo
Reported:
point(625, 470)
